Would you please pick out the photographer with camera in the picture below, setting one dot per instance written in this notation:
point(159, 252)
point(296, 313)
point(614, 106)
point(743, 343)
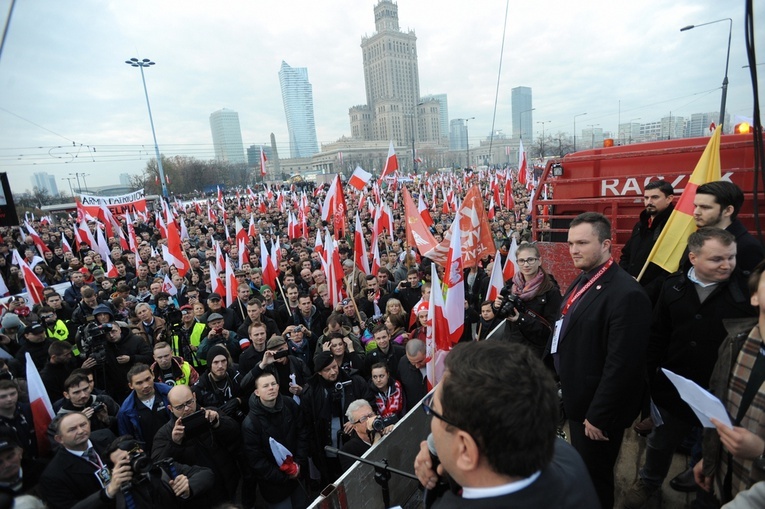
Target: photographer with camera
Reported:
point(187, 337)
point(101, 410)
point(137, 482)
point(220, 386)
point(324, 402)
point(121, 351)
point(409, 292)
point(531, 302)
point(368, 429)
point(290, 370)
point(202, 437)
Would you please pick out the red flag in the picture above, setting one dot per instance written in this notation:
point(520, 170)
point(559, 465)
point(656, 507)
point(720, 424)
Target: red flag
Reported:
point(391, 164)
point(454, 308)
point(216, 283)
point(491, 209)
point(42, 410)
point(231, 283)
point(269, 274)
point(511, 266)
point(522, 169)
point(41, 247)
point(496, 281)
point(333, 210)
point(32, 283)
point(417, 233)
point(422, 208)
point(176, 251)
point(437, 338)
point(111, 270)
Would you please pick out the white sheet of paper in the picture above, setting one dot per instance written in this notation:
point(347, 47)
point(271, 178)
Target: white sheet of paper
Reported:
point(703, 404)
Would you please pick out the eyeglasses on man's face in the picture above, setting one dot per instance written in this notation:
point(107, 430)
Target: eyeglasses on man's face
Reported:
point(365, 418)
point(427, 407)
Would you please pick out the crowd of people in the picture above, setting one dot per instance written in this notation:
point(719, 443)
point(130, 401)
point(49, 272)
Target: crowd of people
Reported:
point(165, 396)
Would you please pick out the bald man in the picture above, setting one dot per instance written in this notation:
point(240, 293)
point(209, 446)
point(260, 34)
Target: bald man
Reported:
point(211, 447)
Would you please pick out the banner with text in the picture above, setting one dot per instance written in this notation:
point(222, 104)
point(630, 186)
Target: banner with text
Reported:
point(134, 202)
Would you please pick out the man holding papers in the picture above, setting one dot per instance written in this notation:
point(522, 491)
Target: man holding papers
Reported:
point(734, 458)
point(686, 332)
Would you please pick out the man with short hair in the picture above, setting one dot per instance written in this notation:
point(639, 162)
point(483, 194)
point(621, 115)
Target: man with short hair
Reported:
point(364, 436)
point(285, 312)
point(497, 461)
point(599, 350)
point(256, 313)
point(212, 449)
point(412, 372)
point(60, 364)
point(718, 204)
point(239, 306)
point(72, 295)
point(171, 370)
point(18, 474)
point(253, 354)
point(101, 410)
point(36, 344)
point(311, 320)
point(145, 410)
point(215, 304)
point(385, 351)
point(658, 199)
point(686, 332)
point(290, 370)
point(17, 417)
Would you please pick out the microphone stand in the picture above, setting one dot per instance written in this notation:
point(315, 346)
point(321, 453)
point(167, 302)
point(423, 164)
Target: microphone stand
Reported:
point(382, 472)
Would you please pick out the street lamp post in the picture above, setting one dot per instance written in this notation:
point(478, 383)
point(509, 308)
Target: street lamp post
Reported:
point(520, 121)
point(134, 62)
point(467, 140)
point(727, 60)
point(543, 122)
point(79, 187)
point(575, 128)
point(69, 180)
point(84, 181)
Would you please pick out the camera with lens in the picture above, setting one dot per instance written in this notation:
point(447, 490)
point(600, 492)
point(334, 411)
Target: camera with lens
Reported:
point(94, 341)
point(173, 315)
point(510, 301)
point(380, 423)
point(338, 392)
point(139, 461)
point(97, 406)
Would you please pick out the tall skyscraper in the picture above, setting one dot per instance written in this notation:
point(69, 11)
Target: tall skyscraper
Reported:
point(457, 135)
point(45, 182)
point(227, 136)
point(523, 117)
point(297, 96)
point(392, 82)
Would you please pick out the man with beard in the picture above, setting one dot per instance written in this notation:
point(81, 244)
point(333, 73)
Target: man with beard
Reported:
point(220, 386)
point(658, 200)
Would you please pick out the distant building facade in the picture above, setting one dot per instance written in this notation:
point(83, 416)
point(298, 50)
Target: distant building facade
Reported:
point(227, 136)
point(523, 117)
point(45, 182)
point(297, 96)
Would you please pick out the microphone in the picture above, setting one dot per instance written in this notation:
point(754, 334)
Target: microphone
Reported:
point(443, 483)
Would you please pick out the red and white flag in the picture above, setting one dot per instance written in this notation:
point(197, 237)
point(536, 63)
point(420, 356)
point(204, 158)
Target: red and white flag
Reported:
point(42, 410)
point(437, 344)
point(360, 178)
point(454, 309)
point(176, 250)
point(334, 209)
point(269, 274)
point(511, 266)
point(496, 281)
point(231, 283)
point(41, 247)
point(391, 163)
point(111, 270)
point(263, 160)
point(360, 248)
point(168, 287)
point(3, 287)
point(422, 208)
point(522, 166)
point(216, 283)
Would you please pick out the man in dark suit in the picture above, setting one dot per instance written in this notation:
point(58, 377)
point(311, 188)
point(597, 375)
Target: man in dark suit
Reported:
point(76, 475)
point(599, 350)
point(499, 461)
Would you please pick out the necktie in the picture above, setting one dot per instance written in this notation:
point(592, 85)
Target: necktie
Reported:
point(92, 456)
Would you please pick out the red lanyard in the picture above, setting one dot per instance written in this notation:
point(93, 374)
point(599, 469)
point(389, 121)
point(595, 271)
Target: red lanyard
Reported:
point(586, 287)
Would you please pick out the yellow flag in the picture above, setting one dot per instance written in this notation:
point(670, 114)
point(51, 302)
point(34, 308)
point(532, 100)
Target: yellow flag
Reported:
point(670, 245)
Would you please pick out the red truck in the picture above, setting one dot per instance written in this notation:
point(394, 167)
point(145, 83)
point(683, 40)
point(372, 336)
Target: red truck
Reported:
point(610, 180)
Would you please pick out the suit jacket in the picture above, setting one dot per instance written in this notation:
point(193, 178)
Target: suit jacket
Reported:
point(562, 484)
point(602, 351)
point(69, 480)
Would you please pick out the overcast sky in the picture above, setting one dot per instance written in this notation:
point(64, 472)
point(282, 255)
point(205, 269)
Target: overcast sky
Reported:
point(63, 78)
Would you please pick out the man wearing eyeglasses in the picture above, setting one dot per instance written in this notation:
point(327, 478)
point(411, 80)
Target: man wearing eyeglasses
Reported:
point(212, 449)
point(362, 417)
point(493, 426)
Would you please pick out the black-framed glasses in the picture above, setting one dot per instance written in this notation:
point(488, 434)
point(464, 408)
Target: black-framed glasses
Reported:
point(427, 407)
point(185, 405)
point(527, 261)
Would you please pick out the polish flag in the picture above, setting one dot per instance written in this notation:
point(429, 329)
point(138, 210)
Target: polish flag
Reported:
point(42, 410)
point(216, 283)
point(168, 287)
point(319, 246)
point(231, 283)
point(375, 257)
point(251, 231)
point(111, 270)
point(41, 247)
point(437, 343)
point(3, 287)
point(511, 266)
point(422, 208)
point(102, 247)
point(220, 197)
point(333, 209)
point(241, 233)
point(391, 164)
point(522, 167)
point(65, 247)
point(269, 274)
point(496, 281)
point(276, 255)
point(86, 235)
point(175, 250)
point(263, 160)
point(491, 209)
point(184, 230)
point(454, 309)
point(32, 283)
point(160, 224)
point(334, 271)
point(360, 178)
point(360, 248)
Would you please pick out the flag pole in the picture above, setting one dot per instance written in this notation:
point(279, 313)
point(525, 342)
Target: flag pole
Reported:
point(353, 300)
point(281, 290)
